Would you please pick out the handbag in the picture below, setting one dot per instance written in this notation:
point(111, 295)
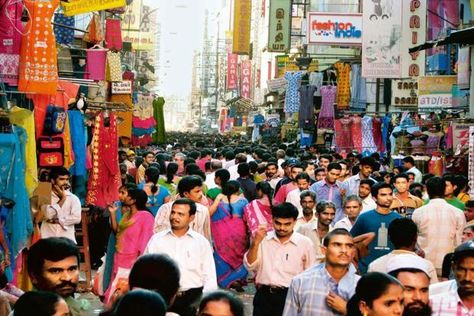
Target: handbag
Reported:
point(50, 151)
point(54, 121)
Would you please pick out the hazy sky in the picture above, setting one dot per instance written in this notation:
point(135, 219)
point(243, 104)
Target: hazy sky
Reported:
point(182, 33)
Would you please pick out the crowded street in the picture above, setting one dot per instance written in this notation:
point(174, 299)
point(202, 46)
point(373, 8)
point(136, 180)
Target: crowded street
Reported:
point(236, 158)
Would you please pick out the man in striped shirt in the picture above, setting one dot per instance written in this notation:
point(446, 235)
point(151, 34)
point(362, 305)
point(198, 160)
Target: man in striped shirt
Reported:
point(324, 289)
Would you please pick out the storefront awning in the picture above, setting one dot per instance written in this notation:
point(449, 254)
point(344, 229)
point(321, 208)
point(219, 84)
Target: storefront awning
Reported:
point(465, 37)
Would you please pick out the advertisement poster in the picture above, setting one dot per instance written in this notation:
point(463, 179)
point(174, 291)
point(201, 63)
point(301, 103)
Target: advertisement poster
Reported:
point(464, 64)
point(381, 39)
point(241, 35)
point(334, 28)
point(279, 26)
point(232, 60)
point(435, 91)
point(245, 71)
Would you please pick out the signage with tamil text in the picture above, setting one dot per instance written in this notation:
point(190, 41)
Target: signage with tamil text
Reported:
point(279, 26)
point(122, 87)
point(241, 34)
point(83, 6)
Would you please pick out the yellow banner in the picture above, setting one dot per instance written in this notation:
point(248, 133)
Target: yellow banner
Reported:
point(284, 64)
point(139, 40)
point(242, 16)
point(75, 7)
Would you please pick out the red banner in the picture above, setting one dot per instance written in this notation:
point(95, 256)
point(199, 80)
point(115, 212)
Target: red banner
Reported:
point(245, 70)
point(232, 71)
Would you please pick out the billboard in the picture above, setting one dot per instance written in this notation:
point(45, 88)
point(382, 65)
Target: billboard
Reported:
point(334, 28)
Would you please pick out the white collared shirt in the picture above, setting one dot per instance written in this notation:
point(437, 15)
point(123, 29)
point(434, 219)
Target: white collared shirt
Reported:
point(344, 223)
point(293, 197)
point(417, 173)
point(368, 204)
point(68, 215)
point(193, 253)
point(200, 224)
point(278, 263)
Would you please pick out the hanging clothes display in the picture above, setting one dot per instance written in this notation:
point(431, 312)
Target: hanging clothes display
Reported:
point(356, 132)
point(64, 35)
point(114, 66)
point(343, 96)
point(19, 225)
point(24, 118)
point(377, 132)
point(306, 111)
point(326, 115)
point(38, 59)
point(343, 134)
point(11, 30)
point(124, 121)
point(96, 61)
point(292, 96)
point(94, 32)
point(316, 80)
point(159, 115)
point(358, 89)
point(104, 179)
point(113, 34)
point(368, 144)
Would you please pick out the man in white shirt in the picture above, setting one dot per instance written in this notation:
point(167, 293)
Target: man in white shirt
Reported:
point(302, 182)
point(65, 209)
point(239, 158)
point(215, 165)
point(276, 257)
point(440, 225)
point(308, 203)
point(368, 203)
point(403, 234)
point(191, 251)
point(409, 165)
point(188, 187)
point(352, 208)
point(271, 174)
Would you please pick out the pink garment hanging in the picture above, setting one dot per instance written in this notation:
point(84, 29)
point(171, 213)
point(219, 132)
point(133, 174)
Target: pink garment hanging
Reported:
point(326, 115)
point(343, 134)
point(145, 124)
point(377, 132)
point(113, 34)
point(11, 28)
point(356, 130)
point(96, 61)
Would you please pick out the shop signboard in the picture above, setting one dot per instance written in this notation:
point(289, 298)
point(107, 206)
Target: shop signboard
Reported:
point(334, 28)
point(142, 38)
point(279, 26)
point(284, 64)
point(241, 30)
point(413, 29)
point(460, 135)
point(122, 87)
point(381, 39)
point(232, 60)
point(245, 71)
point(464, 64)
point(83, 6)
point(435, 91)
point(131, 17)
point(405, 92)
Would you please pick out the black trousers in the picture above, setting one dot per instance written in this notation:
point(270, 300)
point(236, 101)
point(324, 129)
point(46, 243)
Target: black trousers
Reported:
point(185, 302)
point(268, 301)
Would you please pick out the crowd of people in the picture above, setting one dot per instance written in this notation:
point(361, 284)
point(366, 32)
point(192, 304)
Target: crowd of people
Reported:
point(317, 233)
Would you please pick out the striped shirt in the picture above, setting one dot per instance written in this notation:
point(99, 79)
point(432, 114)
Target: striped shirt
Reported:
point(329, 192)
point(449, 304)
point(308, 291)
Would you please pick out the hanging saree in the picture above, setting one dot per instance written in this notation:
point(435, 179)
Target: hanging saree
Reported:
point(104, 180)
point(230, 243)
point(11, 29)
point(257, 213)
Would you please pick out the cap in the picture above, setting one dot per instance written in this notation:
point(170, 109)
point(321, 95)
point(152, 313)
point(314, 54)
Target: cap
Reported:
point(130, 152)
point(290, 162)
point(408, 261)
point(465, 249)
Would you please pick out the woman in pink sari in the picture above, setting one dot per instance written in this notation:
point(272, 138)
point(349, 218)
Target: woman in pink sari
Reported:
point(133, 233)
point(258, 212)
point(230, 236)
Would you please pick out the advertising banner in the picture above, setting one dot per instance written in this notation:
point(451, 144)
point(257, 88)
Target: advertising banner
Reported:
point(245, 71)
point(241, 35)
point(381, 39)
point(232, 71)
point(279, 26)
point(334, 28)
point(414, 31)
point(464, 64)
point(83, 6)
point(435, 91)
point(284, 64)
point(405, 92)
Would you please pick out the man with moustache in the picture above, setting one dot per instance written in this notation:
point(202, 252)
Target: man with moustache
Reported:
point(193, 254)
point(303, 182)
point(276, 257)
point(53, 266)
point(65, 209)
point(271, 174)
point(458, 295)
point(325, 289)
point(308, 203)
point(413, 273)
